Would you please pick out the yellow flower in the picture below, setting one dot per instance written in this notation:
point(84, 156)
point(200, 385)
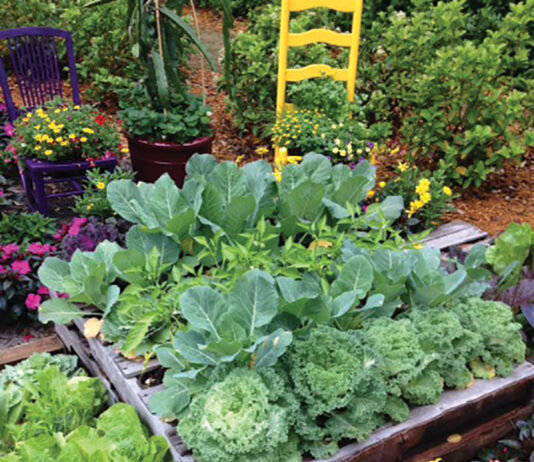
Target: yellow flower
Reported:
point(447, 190)
point(461, 170)
point(90, 207)
point(278, 175)
point(59, 139)
point(76, 108)
point(38, 148)
point(343, 153)
point(280, 158)
point(239, 159)
point(414, 207)
point(423, 186)
point(49, 152)
point(89, 131)
point(65, 143)
point(101, 185)
point(382, 184)
point(403, 167)
point(418, 246)
point(72, 136)
point(83, 139)
point(337, 141)
point(370, 194)
point(262, 150)
point(426, 197)
point(335, 150)
point(294, 159)
point(125, 150)
point(57, 111)
point(372, 159)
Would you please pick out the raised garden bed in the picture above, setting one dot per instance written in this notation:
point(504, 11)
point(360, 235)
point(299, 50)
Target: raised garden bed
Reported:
point(478, 414)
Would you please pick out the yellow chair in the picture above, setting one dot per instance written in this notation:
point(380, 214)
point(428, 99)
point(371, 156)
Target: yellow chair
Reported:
point(289, 40)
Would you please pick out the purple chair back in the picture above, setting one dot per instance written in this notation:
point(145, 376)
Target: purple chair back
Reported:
point(37, 67)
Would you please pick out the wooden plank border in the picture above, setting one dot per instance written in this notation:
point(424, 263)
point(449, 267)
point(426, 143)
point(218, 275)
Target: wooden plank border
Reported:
point(48, 344)
point(453, 233)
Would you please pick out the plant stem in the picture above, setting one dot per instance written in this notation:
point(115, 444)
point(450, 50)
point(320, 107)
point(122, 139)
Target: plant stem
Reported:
point(202, 67)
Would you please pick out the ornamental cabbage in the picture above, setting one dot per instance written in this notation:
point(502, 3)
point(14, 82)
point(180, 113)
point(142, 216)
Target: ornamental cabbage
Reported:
point(342, 394)
point(407, 368)
point(247, 416)
point(501, 345)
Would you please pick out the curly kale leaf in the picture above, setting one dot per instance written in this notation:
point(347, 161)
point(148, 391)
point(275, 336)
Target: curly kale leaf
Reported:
point(342, 394)
point(440, 332)
point(501, 343)
point(246, 416)
point(406, 366)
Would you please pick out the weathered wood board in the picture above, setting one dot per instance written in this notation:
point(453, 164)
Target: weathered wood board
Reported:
point(454, 233)
point(480, 414)
point(48, 344)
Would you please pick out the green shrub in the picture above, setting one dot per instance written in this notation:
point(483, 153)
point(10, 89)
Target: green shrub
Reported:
point(460, 103)
point(99, 35)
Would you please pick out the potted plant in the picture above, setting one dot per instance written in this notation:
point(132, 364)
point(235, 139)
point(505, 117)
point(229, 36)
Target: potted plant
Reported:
point(59, 142)
point(164, 124)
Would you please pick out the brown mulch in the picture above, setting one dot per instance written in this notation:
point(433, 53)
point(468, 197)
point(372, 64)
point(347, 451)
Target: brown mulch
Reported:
point(502, 200)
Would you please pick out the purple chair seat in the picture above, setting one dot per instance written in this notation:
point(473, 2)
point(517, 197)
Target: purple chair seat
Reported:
point(38, 174)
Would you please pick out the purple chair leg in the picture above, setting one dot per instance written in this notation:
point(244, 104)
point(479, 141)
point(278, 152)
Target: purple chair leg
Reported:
point(26, 180)
point(39, 193)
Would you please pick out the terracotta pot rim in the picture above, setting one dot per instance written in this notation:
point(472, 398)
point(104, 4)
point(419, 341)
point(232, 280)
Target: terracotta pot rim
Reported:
point(169, 144)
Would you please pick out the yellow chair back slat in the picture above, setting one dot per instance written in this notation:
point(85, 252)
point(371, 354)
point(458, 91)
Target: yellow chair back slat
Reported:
point(346, 6)
point(320, 36)
point(288, 40)
point(314, 71)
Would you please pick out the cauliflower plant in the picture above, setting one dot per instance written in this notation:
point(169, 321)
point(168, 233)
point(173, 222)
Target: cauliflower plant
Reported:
point(247, 416)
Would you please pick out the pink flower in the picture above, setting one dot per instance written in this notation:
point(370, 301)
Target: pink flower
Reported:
point(39, 249)
point(63, 295)
point(22, 267)
point(9, 130)
point(28, 337)
point(43, 291)
point(11, 149)
point(1, 193)
point(76, 226)
point(10, 249)
point(33, 301)
point(3, 269)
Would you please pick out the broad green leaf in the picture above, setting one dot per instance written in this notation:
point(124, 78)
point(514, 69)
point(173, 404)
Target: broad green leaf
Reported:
point(271, 347)
point(201, 165)
point(181, 226)
point(162, 82)
point(253, 302)
point(317, 168)
point(304, 201)
point(190, 346)
point(59, 311)
point(169, 251)
point(204, 307)
point(356, 274)
point(386, 211)
point(212, 205)
point(230, 180)
point(344, 302)
point(238, 211)
point(124, 197)
point(168, 358)
point(165, 200)
point(53, 273)
point(170, 402)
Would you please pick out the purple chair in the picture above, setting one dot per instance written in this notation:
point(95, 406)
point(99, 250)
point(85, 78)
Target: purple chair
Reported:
point(37, 68)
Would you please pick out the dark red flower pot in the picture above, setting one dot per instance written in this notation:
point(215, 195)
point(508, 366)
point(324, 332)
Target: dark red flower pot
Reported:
point(151, 160)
